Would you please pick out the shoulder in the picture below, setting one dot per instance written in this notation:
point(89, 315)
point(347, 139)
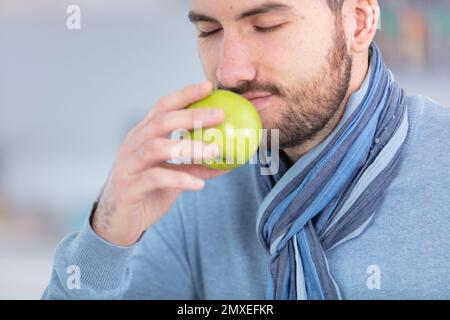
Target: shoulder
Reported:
point(426, 158)
point(429, 127)
point(427, 114)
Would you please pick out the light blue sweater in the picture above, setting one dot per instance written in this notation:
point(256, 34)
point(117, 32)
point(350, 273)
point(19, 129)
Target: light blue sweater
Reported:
point(206, 246)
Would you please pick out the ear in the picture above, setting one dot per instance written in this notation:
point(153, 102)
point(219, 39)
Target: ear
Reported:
point(366, 16)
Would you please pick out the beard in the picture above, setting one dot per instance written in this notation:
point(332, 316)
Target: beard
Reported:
point(309, 107)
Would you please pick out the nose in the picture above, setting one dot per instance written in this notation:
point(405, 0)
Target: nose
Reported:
point(236, 64)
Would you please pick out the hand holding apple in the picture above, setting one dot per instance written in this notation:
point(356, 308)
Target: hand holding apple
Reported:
point(142, 185)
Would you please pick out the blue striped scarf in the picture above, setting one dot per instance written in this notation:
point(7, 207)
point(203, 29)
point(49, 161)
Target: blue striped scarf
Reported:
point(331, 196)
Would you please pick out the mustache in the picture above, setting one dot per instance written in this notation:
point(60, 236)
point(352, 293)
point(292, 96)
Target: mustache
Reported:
point(253, 86)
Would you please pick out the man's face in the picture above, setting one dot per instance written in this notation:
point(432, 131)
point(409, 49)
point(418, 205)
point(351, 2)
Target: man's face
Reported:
point(289, 57)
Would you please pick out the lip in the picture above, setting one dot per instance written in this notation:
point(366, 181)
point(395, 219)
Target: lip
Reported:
point(256, 95)
point(261, 102)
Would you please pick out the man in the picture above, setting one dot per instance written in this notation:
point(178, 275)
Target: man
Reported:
point(359, 209)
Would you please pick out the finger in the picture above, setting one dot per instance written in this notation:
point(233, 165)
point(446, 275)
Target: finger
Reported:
point(162, 178)
point(199, 171)
point(179, 100)
point(165, 123)
point(156, 151)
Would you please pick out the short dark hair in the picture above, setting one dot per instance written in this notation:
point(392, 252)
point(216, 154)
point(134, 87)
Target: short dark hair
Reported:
point(335, 5)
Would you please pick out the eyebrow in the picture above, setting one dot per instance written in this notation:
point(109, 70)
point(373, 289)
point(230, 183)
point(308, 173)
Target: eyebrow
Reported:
point(195, 17)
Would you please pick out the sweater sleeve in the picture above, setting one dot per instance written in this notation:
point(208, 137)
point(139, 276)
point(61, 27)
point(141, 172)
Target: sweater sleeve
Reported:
point(156, 267)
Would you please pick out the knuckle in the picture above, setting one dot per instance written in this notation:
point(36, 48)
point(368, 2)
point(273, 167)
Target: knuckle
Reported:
point(186, 91)
point(160, 123)
point(150, 146)
point(200, 115)
point(149, 116)
point(194, 116)
point(163, 101)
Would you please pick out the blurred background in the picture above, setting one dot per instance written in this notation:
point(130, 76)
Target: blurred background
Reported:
point(68, 97)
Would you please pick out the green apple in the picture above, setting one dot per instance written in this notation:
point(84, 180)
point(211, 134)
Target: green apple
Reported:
point(238, 137)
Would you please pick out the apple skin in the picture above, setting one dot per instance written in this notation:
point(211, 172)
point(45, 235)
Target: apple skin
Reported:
point(242, 121)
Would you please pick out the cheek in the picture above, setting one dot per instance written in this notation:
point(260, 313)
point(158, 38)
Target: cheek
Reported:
point(317, 43)
point(209, 58)
point(300, 53)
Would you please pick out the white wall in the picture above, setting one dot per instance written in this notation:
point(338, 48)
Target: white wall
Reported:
point(69, 97)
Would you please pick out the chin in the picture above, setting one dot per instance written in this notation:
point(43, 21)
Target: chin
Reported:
point(269, 117)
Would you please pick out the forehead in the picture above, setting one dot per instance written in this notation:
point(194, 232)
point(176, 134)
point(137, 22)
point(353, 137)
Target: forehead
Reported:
point(235, 3)
point(239, 8)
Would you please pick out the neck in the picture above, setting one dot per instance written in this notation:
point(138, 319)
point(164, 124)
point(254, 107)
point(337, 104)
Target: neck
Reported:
point(356, 81)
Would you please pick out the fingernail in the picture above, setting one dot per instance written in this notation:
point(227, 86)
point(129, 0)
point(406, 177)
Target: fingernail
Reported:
point(199, 183)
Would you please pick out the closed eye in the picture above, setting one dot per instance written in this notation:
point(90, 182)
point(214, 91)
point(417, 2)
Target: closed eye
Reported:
point(269, 29)
point(207, 34)
point(256, 28)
